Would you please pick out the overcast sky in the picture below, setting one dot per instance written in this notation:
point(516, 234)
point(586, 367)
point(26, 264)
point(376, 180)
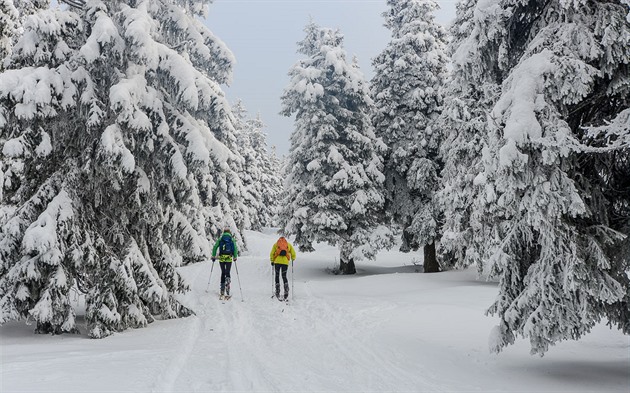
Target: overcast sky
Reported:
point(263, 34)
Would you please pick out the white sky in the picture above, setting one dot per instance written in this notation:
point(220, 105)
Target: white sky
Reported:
point(263, 34)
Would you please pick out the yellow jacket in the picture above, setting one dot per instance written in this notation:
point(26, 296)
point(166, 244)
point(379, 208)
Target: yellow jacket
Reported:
point(281, 259)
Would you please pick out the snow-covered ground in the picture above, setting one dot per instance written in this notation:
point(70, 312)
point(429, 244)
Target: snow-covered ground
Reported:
point(385, 329)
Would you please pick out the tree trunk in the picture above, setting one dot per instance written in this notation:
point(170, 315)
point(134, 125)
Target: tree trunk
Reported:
point(347, 266)
point(430, 259)
point(346, 263)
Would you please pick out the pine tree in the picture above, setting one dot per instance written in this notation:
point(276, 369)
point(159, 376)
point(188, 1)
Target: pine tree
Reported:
point(127, 145)
point(9, 25)
point(249, 172)
point(261, 180)
point(468, 97)
point(38, 219)
point(550, 201)
point(334, 167)
point(409, 76)
point(276, 184)
point(8, 28)
point(270, 182)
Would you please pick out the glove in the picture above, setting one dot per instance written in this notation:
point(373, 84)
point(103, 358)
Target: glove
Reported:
point(235, 259)
point(272, 263)
point(213, 259)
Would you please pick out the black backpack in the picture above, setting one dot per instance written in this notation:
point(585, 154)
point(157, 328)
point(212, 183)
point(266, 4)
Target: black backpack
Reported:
point(226, 245)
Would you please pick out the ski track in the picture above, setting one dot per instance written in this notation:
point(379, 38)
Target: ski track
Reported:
point(256, 344)
point(167, 380)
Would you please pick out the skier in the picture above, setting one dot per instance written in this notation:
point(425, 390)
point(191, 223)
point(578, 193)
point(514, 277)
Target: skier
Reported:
point(227, 253)
point(281, 253)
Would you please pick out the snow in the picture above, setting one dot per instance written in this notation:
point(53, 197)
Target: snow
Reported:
point(41, 236)
point(388, 328)
point(14, 148)
point(618, 130)
point(521, 98)
point(301, 82)
point(112, 141)
point(45, 146)
point(179, 165)
point(104, 31)
point(32, 89)
point(313, 166)
point(144, 183)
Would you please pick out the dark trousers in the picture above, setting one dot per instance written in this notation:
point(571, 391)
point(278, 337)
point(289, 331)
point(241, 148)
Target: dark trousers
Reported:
point(281, 268)
point(225, 275)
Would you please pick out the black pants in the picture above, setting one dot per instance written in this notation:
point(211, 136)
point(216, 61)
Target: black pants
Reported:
point(225, 275)
point(281, 268)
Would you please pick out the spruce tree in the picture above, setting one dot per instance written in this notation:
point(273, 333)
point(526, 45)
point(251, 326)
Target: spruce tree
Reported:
point(275, 183)
point(334, 167)
point(9, 23)
point(127, 144)
point(468, 97)
point(554, 198)
point(270, 181)
point(409, 76)
point(261, 179)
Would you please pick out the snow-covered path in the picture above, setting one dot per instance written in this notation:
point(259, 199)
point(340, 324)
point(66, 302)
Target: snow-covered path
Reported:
point(386, 329)
point(261, 344)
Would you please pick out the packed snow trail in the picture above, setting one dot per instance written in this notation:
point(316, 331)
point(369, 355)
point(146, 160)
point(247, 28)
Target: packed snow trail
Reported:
point(261, 344)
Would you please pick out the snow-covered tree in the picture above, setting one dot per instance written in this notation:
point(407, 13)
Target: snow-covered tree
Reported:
point(409, 76)
point(549, 202)
point(126, 145)
point(261, 176)
point(334, 179)
point(270, 182)
point(468, 97)
point(9, 19)
point(33, 273)
point(275, 184)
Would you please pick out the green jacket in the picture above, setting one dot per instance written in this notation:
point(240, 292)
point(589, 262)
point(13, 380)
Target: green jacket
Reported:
point(225, 258)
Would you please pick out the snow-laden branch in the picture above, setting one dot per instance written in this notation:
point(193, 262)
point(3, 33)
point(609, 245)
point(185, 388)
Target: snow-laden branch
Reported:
point(75, 3)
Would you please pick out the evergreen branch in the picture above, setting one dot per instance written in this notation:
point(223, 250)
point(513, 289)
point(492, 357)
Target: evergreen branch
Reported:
point(79, 4)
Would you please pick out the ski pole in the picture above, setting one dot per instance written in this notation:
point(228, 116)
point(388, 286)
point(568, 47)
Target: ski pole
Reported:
point(292, 281)
point(211, 269)
point(272, 281)
point(239, 281)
